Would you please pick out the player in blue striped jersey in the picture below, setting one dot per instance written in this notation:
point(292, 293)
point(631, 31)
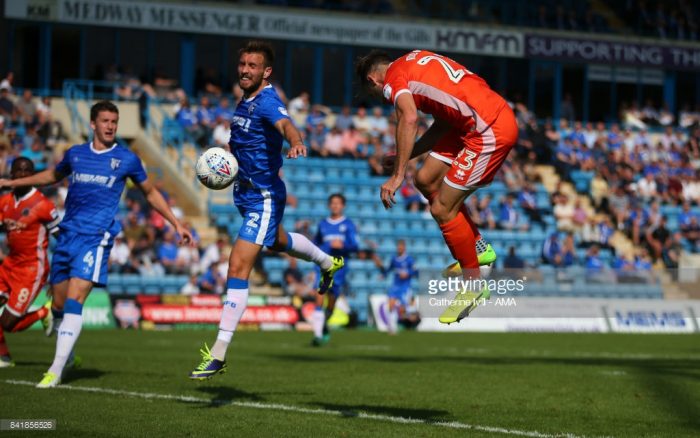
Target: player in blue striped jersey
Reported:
point(259, 126)
point(98, 171)
point(400, 291)
point(336, 235)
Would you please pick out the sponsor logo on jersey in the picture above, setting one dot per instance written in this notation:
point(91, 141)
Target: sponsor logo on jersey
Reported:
point(387, 92)
point(87, 178)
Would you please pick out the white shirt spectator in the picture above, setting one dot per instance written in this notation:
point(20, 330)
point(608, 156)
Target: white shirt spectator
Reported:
point(221, 135)
point(187, 256)
point(190, 288)
point(646, 187)
point(120, 253)
point(211, 255)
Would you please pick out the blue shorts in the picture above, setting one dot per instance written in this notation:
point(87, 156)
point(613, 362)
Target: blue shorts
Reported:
point(262, 211)
point(84, 256)
point(400, 293)
point(339, 280)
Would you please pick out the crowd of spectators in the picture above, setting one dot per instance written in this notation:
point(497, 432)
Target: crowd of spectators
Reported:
point(27, 127)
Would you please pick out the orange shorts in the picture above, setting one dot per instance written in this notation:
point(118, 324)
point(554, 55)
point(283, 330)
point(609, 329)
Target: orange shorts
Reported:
point(20, 285)
point(475, 157)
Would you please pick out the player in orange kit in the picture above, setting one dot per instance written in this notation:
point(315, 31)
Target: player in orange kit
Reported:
point(28, 218)
point(473, 132)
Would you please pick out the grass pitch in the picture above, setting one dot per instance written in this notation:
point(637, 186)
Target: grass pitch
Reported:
point(364, 384)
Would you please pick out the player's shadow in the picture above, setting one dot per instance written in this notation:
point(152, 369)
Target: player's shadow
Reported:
point(82, 374)
point(21, 363)
point(351, 411)
point(225, 395)
point(304, 357)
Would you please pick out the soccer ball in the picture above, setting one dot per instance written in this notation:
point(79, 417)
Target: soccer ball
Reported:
point(217, 168)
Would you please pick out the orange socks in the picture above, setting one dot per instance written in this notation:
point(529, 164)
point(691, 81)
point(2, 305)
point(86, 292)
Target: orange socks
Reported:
point(460, 239)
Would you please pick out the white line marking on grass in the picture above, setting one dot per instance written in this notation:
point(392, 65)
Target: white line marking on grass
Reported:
point(301, 410)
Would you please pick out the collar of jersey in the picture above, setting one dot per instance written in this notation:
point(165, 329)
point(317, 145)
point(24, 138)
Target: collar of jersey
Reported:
point(335, 221)
point(25, 197)
point(250, 99)
point(92, 148)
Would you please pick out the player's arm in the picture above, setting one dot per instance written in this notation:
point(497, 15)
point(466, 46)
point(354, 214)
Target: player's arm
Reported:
point(293, 137)
point(407, 127)
point(156, 200)
point(45, 178)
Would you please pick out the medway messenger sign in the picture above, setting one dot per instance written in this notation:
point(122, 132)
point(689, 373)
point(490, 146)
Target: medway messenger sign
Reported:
point(335, 28)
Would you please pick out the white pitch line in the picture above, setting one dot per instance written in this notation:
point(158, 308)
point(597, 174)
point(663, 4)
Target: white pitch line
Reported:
point(301, 410)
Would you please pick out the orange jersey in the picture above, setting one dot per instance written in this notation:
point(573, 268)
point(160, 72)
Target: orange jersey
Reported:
point(27, 221)
point(445, 89)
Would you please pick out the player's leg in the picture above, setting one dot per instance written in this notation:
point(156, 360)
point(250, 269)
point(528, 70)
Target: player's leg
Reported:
point(299, 246)
point(5, 358)
point(68, 331)
point(25, 289)
point(261, 211)
point(393, 317)
point(475, 166)
point(241, 261)
point(59, 279)
point(328, 312)
point(318, 320)
point(83, 262)
point(59, 293)
point(430, 177)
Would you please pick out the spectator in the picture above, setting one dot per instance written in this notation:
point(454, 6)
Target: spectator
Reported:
point(333, 144)
point(564, 213)
point(508, 216)
point(316, 139)
point(37, 153)
point(379, 124)
point(352, 143)
point(595, 267)
point(646, 187)
point(211, 281)
point(672, 254)
point(191, 287)
point(187, 118)
point(580, 216)
point(528, 203)
point(7, 82)
point(224, 110)
point(119, 256)
point(486, 217)
point(294, 283)
point(512, 261)
point(222, 132)
point(317, 116)
point(187, 259)
point(167, 254)
point(212, 254)
point(27, 107)
point(361, 121)
point(344, 120)
point(567, 256)
point(299, 107)
point(551, 249)
point(7, 107)
point(658, 239)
